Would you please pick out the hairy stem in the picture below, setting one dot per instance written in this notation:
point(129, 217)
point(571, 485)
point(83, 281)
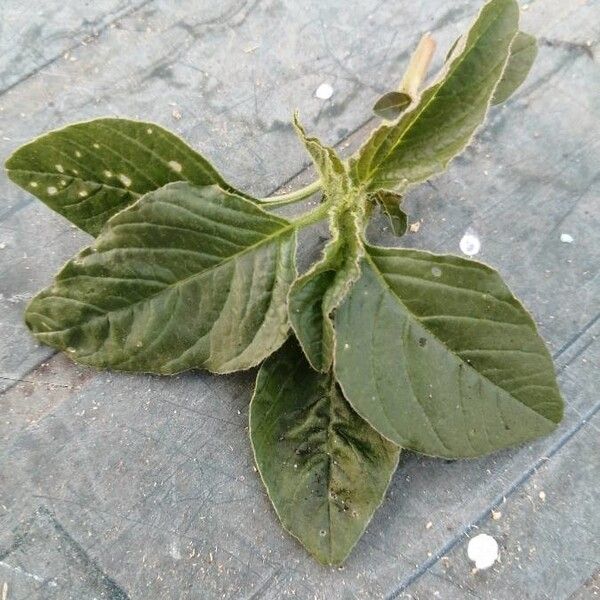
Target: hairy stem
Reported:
point(291, 197)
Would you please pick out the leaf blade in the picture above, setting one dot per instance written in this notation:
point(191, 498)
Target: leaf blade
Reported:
point(427, 137)
point(326, 471)
point(188, 277)
point(523, 52)
point(455, 365)
point(89, 171)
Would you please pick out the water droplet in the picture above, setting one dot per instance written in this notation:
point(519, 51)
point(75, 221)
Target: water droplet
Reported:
point(324, 91)
point(470, 243)
point(51, 190)
point(436, 271)
point(565, 238)
point(126, 181)
point(175, 166)
point(59, 168)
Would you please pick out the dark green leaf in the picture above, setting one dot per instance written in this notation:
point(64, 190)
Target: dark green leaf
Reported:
point(440, 126)
point(89, 171)
point(391, 105)
point(187, 277)
point(315, 295)
point(390, 204)
point(522, 55)
point(326, 471)
point(438, 355)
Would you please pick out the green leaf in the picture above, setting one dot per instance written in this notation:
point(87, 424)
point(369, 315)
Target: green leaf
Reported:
point(522, 56)
point(440, 126)
point(326, 471)
point(89, 171)
point(390, 204)
point(187, 277)
point(438, 355)
point(391, 105)
point(315, 295)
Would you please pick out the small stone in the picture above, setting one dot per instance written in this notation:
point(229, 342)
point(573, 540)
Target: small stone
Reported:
point(565, 238)
point(496, 515)
point(324, 91)
point(542, 496)
point(483, 551)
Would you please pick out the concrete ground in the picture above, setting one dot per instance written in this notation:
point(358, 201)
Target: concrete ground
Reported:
point(121, 486)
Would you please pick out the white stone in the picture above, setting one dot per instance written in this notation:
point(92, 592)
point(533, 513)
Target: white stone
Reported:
point(483, 551)
point(324, 91)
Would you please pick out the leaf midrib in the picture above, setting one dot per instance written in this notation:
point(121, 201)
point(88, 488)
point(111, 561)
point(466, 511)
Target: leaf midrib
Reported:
point(411, 315)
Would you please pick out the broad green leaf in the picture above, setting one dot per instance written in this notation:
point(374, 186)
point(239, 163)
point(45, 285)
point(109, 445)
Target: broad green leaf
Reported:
point(438, 355)
point(522, 55)
point(187, 277)
point(315, 295)
point(442, 123)
point(326, 471)
point(390, 204)
point(89, 171)
point(391, 105)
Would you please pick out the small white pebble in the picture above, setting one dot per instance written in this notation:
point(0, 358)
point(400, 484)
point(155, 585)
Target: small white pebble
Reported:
point(483, 551)
point(542, 496)
point(429, 525)
point(496, 515)
point(175, 166)
point(2, 245)
point(470, 244)
point(324, 91)
point(126, 181)
point(565, 238)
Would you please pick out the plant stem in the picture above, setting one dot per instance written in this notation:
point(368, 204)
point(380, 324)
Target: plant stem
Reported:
point(313, 216)
point(291, 197)
point(418, 66)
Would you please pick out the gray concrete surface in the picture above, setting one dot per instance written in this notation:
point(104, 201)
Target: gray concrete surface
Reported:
point(118, 486)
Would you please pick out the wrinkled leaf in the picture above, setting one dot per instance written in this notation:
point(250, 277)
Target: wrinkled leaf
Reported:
point(440, 126)
point(89, 171)
point(187, 277)
point(326, 471)
point(391, 105)
point(522, 55)
point(390, 204)
point(315, 295)
point(438, 355)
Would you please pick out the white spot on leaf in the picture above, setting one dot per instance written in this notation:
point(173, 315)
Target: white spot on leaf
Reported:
point(51, 190)
point(436, 271)
point(77, 154)
point(108, 174)
point(470, 243)
point(33, 184)
point(59, 168)
point(126, 181)
point(149, 131)
point(83, 193)
point(324, 91)
point(97, 146)
point(483, 551)
point(175, 166)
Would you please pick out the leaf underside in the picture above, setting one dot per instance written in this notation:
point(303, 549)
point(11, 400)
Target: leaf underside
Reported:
point(438, 356)
point(89, 171)
point(391, 105)
point(428, 136)
point(188, 277)
point(326, 471)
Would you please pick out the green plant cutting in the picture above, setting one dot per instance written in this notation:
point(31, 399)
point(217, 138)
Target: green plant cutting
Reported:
point(370, 351)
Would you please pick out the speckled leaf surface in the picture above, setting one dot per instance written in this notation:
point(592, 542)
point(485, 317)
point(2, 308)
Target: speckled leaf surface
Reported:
point(522, 56)
point(187, 277)
point(427, 137)
point(89, 171)
point(438, 355)
point(315, 295)
point(326, 471)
